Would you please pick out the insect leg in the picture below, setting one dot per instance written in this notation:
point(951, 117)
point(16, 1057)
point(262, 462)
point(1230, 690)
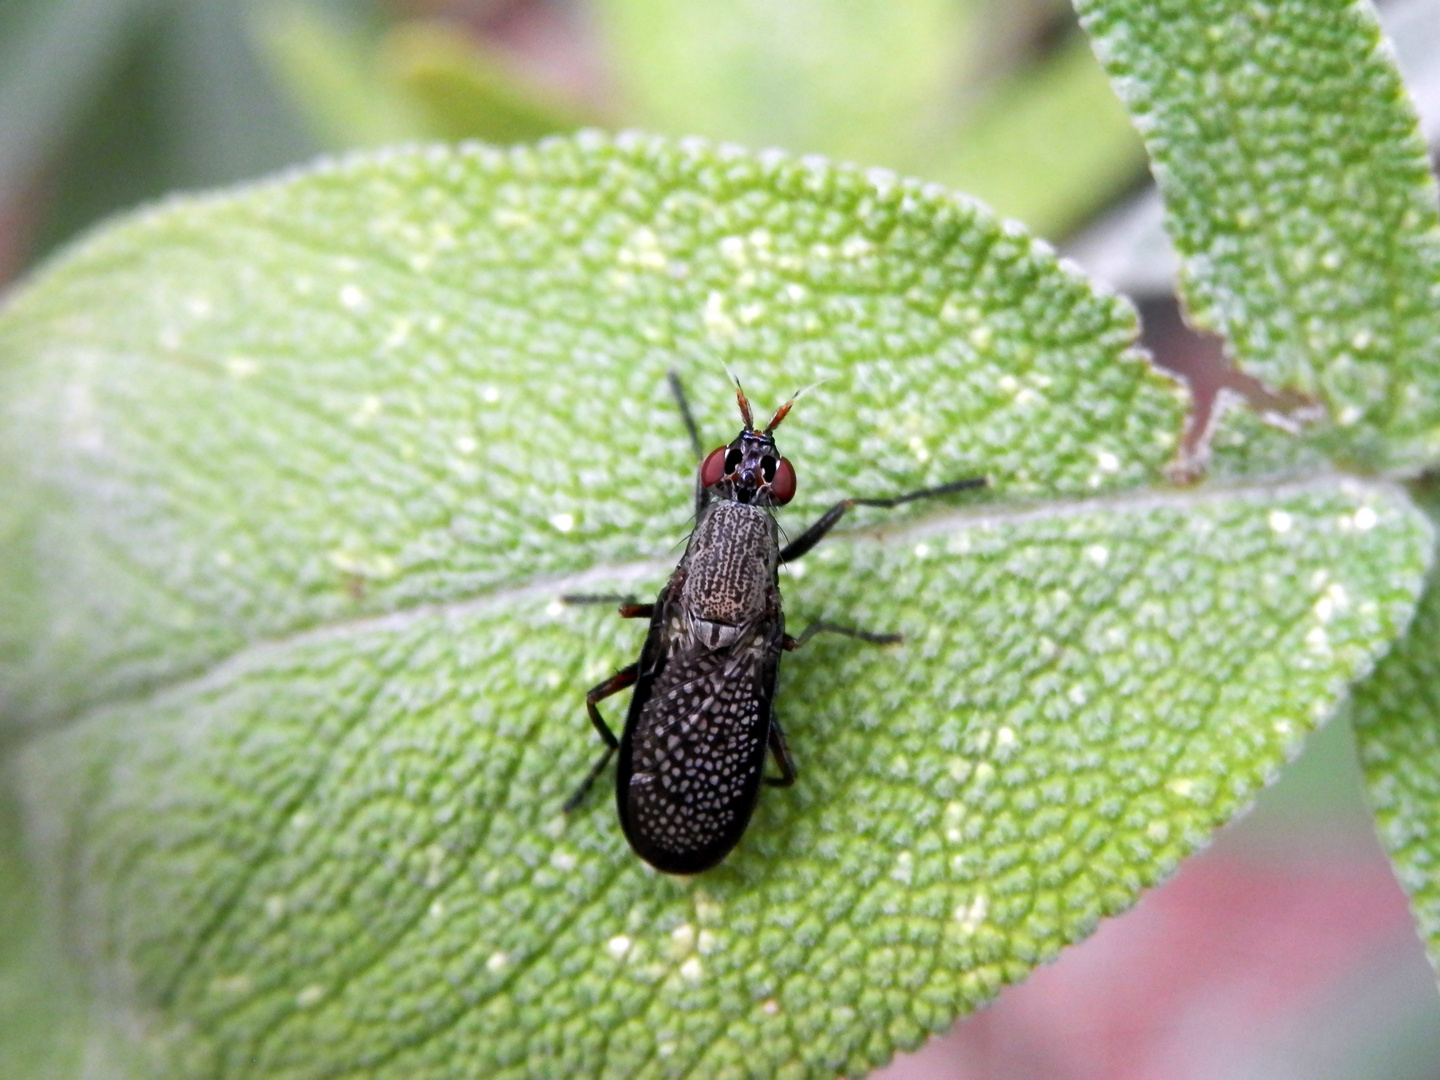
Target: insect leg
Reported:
point(782, 758)
point(778, 746)
point(673, 377)
point(619, 681)
point(629, 607)
point(702, 494)
point(793, 643)
point(816, 532)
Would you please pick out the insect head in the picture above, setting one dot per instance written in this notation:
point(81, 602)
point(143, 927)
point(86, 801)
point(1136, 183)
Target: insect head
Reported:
point(750, 469)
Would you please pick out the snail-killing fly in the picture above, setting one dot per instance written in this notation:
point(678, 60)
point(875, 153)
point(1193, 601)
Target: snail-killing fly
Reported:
point(702, 716)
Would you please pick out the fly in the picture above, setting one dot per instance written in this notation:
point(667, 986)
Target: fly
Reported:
point(702, 716)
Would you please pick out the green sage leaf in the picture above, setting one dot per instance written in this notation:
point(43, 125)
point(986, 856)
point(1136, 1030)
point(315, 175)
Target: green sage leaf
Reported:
point(344, 852)
point(1395, 716)
point(1299, 197)
point(292, 479)
point(425, 375)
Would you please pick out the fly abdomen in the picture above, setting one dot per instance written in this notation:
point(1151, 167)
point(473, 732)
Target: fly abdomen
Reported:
point(695, 757)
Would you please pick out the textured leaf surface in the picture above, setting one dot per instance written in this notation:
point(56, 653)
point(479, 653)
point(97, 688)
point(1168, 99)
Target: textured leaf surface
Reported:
point(1397, 730)
point(422, 376)
point(293, 478)
point(345, 852)
point(1299, 197)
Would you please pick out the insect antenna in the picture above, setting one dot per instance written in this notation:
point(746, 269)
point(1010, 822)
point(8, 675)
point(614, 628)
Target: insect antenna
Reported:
point(744, 403)
point(780, 414)
point(784, 410)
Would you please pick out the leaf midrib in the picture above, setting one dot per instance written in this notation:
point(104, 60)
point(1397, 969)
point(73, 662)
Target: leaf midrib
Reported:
point(222, 669)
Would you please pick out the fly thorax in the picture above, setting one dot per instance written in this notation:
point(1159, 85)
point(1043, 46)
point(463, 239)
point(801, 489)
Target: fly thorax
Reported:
point(729, 567)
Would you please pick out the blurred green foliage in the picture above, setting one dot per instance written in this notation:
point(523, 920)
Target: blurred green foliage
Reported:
point(107, 103)
point(104, 103)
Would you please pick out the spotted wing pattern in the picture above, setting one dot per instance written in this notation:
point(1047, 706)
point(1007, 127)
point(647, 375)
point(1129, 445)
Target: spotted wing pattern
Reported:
point(697, 750)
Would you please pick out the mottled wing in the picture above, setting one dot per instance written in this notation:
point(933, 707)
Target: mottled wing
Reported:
point(694, 747)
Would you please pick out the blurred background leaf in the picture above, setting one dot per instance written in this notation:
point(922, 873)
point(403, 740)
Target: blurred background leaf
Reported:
point(324, 61)
point(106, 103)
point(44, 1027)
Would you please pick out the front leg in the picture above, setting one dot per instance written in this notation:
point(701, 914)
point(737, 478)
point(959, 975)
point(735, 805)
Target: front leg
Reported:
point(702, 494)
point(816, 532)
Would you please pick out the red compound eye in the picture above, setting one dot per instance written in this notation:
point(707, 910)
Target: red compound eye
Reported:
point(713, 467)
point(782, 488)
